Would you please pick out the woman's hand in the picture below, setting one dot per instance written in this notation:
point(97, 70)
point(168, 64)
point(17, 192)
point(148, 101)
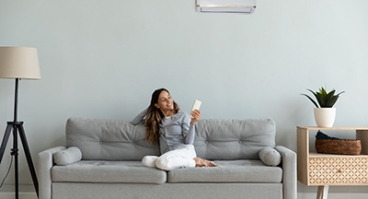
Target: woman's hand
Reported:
point(203, 163)
point(196, 115)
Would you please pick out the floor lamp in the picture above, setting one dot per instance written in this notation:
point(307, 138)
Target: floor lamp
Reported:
point(18, 63)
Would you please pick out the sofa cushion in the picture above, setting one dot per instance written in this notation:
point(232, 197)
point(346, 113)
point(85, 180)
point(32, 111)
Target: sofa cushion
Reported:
point(252, 171)
point(233, 139)
point(67, 156)
point(269, 156)
point(104, 139)
point(108, 172)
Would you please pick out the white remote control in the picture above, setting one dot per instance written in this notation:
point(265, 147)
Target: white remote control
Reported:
point(196, 105)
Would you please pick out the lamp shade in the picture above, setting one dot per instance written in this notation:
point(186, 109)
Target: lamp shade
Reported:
point(19, 62)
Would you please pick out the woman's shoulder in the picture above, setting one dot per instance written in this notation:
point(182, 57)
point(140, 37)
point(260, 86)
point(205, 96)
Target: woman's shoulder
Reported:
point(181, 114)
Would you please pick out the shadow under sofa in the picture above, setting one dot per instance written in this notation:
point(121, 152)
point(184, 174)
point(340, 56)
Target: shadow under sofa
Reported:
point(102, 159)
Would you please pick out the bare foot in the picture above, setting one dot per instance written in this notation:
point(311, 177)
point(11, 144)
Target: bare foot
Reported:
point(204, 163)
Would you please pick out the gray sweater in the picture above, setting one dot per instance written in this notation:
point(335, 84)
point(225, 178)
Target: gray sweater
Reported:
point(174, 133)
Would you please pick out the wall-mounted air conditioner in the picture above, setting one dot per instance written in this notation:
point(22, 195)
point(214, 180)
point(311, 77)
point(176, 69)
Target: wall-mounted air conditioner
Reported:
point(226, 6)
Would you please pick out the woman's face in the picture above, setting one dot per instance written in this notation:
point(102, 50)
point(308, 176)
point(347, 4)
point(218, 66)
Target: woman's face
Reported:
point(165, 102)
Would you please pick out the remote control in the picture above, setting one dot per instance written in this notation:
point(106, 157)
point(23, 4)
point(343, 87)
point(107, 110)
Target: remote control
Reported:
point(196, 105)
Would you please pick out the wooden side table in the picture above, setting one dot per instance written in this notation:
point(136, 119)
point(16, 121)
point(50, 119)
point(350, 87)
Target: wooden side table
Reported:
point(324, 170)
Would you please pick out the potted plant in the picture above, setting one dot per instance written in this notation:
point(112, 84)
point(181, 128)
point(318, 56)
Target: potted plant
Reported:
point(324, 113)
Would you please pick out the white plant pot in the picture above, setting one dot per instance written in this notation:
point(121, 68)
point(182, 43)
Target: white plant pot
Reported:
point(325, 117)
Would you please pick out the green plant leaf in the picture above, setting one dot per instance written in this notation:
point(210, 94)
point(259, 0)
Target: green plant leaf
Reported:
point(331, 101)
point(311, 100)
point(324, 99)
point(319, 97)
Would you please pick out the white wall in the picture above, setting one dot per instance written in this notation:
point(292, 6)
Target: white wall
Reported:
point(103, 59)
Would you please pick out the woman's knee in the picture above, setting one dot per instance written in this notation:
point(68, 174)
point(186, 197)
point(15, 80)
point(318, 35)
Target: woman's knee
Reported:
point(163, 163)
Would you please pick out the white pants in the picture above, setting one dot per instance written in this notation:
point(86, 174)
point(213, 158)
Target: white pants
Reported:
point(178, 158)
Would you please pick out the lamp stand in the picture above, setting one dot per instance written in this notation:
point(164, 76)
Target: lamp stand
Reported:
point(17, 127)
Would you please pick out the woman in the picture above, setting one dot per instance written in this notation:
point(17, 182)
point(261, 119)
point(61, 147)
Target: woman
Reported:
point(173, 130)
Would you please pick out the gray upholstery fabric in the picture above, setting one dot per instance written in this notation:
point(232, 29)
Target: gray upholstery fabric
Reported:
point(45, 163)
point(233, 139)
point(229, 171)
point(167, 191)
point(270, 156)
point(289, 167)
point(135, 172)
point(109, 172)
point(67, 156)
point(101, 139)
point(111, 167)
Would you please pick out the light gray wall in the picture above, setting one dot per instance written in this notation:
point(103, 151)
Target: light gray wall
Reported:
point(103, 59)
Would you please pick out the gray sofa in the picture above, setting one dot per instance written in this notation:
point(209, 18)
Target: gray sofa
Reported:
point(102, 159)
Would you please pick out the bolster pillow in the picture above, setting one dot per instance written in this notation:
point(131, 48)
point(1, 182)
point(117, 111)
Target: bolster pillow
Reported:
point(67, 156)
point(269, 156)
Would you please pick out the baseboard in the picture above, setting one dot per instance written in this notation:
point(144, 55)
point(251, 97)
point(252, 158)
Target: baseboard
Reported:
point(22, 195)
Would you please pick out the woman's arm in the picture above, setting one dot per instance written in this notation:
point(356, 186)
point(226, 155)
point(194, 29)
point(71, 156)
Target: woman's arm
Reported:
point(139, 118)
point(189, 139)
point(189, 126)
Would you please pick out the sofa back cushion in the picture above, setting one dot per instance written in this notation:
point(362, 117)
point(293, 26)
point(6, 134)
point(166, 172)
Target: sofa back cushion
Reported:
point(233, 139)
point(101, 139)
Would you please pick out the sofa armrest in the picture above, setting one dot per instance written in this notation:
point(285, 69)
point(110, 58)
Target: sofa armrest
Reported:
point(289, 172)
point(45, 163)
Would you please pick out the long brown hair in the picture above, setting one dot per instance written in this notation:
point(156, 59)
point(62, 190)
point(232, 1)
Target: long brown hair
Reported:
point(154, 117)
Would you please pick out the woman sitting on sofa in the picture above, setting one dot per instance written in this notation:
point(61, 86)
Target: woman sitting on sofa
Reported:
point(173, 130)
